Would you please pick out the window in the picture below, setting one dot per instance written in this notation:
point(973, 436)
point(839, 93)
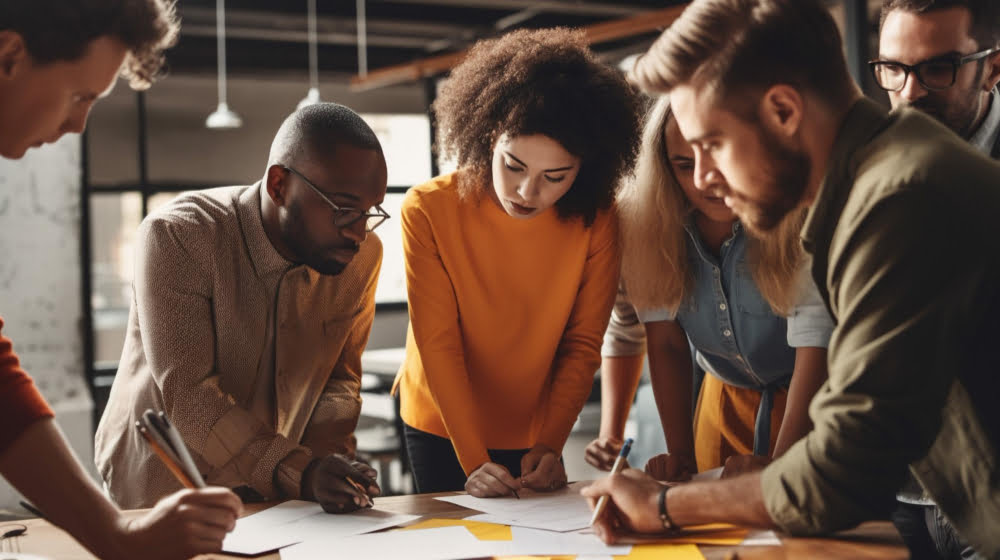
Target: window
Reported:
point(119, 198)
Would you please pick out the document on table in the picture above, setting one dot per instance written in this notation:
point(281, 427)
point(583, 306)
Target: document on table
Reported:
point(297, 521)
point(562, 510)
point(445, 543)
point(449, 543)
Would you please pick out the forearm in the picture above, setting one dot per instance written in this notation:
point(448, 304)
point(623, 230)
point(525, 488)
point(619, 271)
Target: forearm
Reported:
point(738, 500)
point(619, 379)
point(670, 374)
point(809, 375)
point(40, 465)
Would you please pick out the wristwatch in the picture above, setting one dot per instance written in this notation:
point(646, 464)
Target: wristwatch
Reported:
point(668, 523)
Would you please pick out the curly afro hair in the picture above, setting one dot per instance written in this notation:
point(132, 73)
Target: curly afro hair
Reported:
point(541, 82)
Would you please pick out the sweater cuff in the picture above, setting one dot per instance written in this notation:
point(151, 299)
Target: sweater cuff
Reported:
point(288, 473)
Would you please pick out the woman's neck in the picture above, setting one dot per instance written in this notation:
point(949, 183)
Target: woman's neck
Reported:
point(713, 233)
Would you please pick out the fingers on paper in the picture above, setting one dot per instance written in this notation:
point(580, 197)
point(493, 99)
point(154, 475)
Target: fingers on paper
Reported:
point(492, 480)
point(601, 453)
point(549, 474)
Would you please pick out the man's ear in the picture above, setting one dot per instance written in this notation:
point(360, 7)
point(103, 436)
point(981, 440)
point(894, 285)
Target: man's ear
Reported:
point(781, 110)
point(991, 72)
point(276, 185)
point(13, 54)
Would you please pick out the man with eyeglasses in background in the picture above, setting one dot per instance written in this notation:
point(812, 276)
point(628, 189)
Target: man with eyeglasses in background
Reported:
point(252, 306)
point(941, 57)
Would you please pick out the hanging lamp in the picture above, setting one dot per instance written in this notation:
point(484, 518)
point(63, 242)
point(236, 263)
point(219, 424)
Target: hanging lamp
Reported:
point(312, 96)
point(223, 118)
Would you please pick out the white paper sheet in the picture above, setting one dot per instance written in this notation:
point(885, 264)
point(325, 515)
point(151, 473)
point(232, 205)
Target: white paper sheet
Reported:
point(563, 510)
point(710, 474)
point(761, 538)
point(535, 542)
point(449, 543)
point(296, 521)
point(446, 543)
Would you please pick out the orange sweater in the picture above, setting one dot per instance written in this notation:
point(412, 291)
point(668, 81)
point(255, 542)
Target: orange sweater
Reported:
point(20, 402)
point(506, 320)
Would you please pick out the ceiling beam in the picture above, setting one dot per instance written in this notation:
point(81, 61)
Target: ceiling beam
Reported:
point(196, 19)
point(597, 33)
point(571, 7)
point(322, 38)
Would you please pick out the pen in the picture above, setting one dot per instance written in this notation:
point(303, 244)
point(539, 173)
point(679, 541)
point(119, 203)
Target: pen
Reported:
point(602, 502)
point(361, 489)
point(167, 460)
point(34, 511)
point(177, 442)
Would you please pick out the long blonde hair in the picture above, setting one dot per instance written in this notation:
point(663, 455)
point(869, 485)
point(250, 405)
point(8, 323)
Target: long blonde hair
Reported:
point(653, 209)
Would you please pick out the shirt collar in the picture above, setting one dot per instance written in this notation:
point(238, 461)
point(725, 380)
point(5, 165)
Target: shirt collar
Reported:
point(863, 121)
point(266, 259)
point(985, 136)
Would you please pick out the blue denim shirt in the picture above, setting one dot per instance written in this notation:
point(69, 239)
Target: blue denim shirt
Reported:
point(736, 335)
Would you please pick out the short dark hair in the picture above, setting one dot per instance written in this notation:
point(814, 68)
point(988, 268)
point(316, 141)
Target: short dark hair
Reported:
point(738, 49)
point(318, 129)
point(985, 15)
point(62, 30)
point(542, 82)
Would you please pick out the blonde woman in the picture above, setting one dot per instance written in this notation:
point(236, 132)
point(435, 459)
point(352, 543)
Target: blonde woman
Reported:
point(753, 319)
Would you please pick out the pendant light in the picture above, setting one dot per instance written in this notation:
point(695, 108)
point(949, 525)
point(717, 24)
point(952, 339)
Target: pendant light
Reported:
point(223, 117)
point(362, 40)
point(313, 95)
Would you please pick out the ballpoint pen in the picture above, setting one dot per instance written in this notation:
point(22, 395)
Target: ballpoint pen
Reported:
point(168, 461)
point(370, 502)
point(602, 502)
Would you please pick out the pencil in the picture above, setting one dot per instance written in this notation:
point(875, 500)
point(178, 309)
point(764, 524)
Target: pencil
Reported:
point(602, 502)
point(170, 464)
point(361, 489)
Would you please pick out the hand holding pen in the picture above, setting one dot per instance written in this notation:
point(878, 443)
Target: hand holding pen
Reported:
point(340, 484)
point(620, 463)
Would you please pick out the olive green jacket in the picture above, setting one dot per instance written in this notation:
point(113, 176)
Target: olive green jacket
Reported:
point(903, 234)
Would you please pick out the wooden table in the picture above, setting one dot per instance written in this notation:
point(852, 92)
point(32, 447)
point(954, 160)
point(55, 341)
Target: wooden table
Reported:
point(874, 540)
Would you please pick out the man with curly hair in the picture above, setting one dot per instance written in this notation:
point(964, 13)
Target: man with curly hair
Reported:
point(512, 262)
point(57, 57)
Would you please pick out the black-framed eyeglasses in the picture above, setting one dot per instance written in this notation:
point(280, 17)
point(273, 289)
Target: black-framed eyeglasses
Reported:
point(935, 74)
point(344, 217)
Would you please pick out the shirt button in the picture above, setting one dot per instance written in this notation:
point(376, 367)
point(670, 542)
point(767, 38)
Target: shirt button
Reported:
point(722, 306)
point(727, 332)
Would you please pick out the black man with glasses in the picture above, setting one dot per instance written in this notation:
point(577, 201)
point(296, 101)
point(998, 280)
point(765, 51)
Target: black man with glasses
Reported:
point(941, 57)
point(252, 307)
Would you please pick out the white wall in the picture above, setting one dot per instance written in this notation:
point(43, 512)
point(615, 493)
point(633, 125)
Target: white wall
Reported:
point(40, 283)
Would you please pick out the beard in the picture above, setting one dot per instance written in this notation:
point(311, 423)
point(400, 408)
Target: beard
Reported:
point(307, 251)
point(784, 179)
point(959, 116)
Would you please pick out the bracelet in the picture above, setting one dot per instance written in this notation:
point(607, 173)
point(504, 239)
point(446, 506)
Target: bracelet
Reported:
point(664, 515)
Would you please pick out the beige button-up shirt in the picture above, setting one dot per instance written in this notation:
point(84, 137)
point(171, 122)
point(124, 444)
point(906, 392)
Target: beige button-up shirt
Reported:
point(256, 361)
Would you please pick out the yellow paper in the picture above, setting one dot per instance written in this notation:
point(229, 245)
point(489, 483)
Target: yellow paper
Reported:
point(663, 552)
point(482, 531)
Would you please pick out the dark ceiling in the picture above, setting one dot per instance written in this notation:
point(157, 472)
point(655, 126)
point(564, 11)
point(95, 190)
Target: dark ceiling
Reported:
point(270, 36)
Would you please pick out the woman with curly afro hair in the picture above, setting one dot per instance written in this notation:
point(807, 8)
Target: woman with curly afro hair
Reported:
point(512, 261)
